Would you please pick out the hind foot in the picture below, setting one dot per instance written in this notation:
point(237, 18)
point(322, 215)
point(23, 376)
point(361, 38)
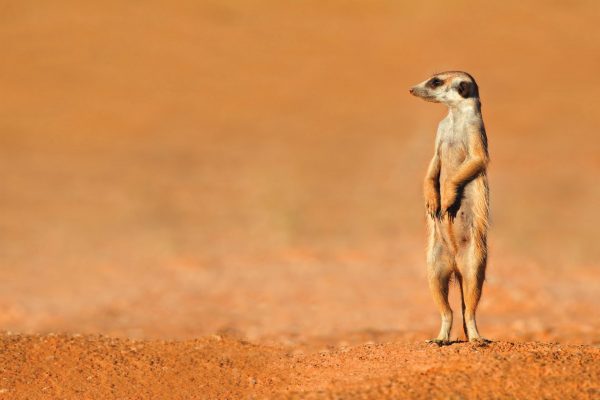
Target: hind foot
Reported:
point(439, 342)
point(480, 341)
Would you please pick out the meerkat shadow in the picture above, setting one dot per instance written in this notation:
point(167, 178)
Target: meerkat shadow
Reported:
point(443, 343)
point(474, 343)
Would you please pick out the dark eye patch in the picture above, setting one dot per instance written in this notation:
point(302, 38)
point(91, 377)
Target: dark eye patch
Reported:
point(465, 89)
point(435, 82)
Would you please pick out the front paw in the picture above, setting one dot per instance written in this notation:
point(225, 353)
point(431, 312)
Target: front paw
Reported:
point(448, 199)
point(432, 202)
point(432, 206)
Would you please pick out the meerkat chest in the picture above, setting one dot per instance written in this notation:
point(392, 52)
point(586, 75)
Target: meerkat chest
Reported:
point(452, 144)
point(453, 147)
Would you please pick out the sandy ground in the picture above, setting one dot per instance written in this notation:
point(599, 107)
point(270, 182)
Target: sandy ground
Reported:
point(176, 170)
point(99, 367)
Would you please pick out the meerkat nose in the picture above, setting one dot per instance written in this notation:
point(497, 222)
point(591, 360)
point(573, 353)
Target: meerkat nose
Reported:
point(411, 90)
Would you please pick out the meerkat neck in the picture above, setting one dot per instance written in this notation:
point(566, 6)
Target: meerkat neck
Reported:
point(465, 108)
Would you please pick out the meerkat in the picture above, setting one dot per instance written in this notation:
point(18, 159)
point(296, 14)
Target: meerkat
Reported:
point(456, 199)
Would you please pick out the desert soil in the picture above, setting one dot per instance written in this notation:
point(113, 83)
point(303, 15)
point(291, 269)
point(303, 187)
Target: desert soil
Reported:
point(206, 199)
point(94, 367)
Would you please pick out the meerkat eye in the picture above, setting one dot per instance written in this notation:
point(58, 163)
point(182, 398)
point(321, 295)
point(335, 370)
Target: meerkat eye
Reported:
point(435, 82)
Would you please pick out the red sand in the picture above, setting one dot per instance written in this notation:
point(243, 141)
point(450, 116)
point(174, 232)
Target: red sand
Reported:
point(36, 367)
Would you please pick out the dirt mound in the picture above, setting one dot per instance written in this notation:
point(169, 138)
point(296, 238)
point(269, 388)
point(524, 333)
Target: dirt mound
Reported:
point(76, 367)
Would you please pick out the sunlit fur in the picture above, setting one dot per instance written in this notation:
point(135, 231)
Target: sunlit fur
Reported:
point(457, 199)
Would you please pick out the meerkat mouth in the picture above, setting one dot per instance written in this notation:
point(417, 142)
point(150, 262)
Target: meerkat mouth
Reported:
point(430, 99)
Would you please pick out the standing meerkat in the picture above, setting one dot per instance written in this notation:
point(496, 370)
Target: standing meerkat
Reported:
point(456, 198)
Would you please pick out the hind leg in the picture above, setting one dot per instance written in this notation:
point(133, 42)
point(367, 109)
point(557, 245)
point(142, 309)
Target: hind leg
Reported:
point(462, 304)
point(471, 263)
point(439, 270)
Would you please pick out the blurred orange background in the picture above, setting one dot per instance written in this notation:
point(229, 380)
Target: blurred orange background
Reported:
point(172, 169)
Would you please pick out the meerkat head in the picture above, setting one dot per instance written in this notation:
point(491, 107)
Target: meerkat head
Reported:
point(450, 88)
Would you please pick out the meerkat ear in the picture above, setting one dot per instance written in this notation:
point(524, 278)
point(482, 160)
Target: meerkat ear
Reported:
point(465, 89)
